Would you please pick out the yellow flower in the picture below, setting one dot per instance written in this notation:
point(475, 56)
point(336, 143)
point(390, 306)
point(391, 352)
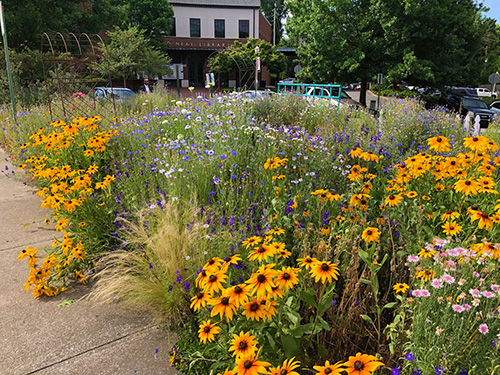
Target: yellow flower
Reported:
point(324, 271)
point(439, 144)
point(243, 344)
point(466, 187)
point(425, 253)
point(370, 234)
point(208, 331)
point(362, 364)
point(401, 288)
point(451, 228)
point(425, 275)
point(393, 200)
point(478, 143)
point(450, 215)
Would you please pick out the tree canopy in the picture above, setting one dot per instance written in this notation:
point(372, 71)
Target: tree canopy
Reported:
point(427, 43)
point(275, 11)
point(128, 52)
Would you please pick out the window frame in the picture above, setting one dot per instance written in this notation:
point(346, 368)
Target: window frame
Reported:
point(240, 22)
point(191, 29)
point(223, 23)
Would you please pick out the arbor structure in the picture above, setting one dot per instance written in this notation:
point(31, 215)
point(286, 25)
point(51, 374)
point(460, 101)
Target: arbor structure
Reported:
point(427, 43)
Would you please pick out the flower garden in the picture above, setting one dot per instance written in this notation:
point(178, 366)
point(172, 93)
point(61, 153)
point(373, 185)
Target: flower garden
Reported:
point(275, 237)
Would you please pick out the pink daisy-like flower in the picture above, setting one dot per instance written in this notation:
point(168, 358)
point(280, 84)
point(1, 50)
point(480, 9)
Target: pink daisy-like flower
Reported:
point(444, 255)
point(436, 284)
point(413, 258)
point(448, 279)
point(429, 246)
point(475, 293)
point(439, 242)
point(475, 274)
point(452, 252)
point(494, 287)
point(488, 294)
point(416, 293)
point(451, 264)
point(461, 250)
point(420, 293)
point(461, 282)
point(483, 328)
point(467, 307)
point(475, 302)
point(458, 308)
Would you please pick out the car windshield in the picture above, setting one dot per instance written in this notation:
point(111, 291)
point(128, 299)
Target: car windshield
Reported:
point(475, 103)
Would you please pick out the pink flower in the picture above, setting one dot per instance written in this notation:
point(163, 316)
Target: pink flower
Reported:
point(451, 264)
point(444, 255)
point(448, 279)
point(453, 252)
point(416, 293)
point(420, 293)
point(458, 308)
point(475, 274)
point(460, 250)
point(413, 258)
point(439, 242)
point(475, 302)
point(494, 287)
point(487, 294)
point(467, 307)
point(483, 328)
point(436, 284)
point(461, 282)
point(475, 293)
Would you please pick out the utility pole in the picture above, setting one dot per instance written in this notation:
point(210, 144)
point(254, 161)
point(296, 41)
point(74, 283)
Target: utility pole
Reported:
point(274, 26)
point(7, 63)
point(257, 69)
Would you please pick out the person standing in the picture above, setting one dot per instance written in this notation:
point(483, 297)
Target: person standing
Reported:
point(146, 87)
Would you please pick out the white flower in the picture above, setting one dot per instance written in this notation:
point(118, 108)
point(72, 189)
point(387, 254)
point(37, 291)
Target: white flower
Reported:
point(188, 257)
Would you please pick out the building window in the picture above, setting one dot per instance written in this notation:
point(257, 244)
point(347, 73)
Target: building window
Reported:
point(194, 27)
point(172, 28)
point(244, 29)
point(220, 28)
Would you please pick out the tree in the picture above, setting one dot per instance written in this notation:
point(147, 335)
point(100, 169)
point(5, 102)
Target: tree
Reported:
point(275, 11)
point(429, 42)
point(127, 52)
point(239, 54)
point(154, 17)
point(27, 20)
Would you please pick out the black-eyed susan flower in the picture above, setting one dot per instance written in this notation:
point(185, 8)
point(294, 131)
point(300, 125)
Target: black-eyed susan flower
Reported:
point(427, 253)
point(223, 305)
point(250, 365)
point(261, 281)
point(411, 194)
point(213, 265)
point(306, 262)
point(324, 271)
point(484, 219)
point(287, 278)
point(425, 275)
point(200, 300)
point(329, 369)
point(233, 259)
point(254, 310)
point(478, 143)
point(287, 368)
point(370, 234)
point(252, 241)
point(285, 254)
point(276, 231)
point(451, 228)
point(243, 344)
point(213, 283)
point(401, 288)
point(355, 152)
point(262, 253)
point(450, 215)
point(208, 331)
point(439, 144)
point(362, 364)
point(393, 200)
point(239, 294)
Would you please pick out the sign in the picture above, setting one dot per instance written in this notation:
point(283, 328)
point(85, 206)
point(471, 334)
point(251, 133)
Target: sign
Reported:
point(494, 78)
point(380, 77)
point(258, 63)
point(212, 79)
point(297, 68)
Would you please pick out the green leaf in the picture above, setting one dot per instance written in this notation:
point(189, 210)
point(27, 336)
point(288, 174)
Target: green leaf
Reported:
point(290, 346)
point(365, 256)
point(294, 317)
point(66, 303)
point(389, 305)
point(323, 324)
point(322, 351)
point(367, 318)
point(270, 339)
point(364, 281)
point(309, 297)
point(401, 254)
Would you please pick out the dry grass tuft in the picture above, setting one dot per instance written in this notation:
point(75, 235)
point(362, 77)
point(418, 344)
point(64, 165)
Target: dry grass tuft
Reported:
point(143, 279)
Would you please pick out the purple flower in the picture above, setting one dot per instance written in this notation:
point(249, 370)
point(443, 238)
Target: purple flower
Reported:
point(396, 370)
point(409, 356)
point(416, 372)
point(150, 266)
point(439, 370)
point(187, 286)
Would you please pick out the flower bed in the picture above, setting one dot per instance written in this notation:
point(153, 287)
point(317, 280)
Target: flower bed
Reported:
point(276, 247)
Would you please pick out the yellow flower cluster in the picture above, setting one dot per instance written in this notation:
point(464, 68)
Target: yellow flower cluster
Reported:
point(64, 188)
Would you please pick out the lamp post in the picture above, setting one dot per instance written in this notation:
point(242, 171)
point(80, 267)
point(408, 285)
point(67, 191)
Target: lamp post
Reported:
point(257, 69)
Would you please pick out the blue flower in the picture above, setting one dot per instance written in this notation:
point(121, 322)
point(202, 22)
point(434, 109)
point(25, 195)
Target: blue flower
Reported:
point(409, 356)
point(416, 372)
point(439, 370)
point(396, 370)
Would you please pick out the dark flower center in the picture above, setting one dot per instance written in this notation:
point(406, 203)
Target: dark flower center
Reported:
point(261, 278)
point(369, 232)
point(467, 182)
point(200, 295)
point(328, 370)
point(212, 278)
point(474, 207)
point(358, 366)
point(362, 201)
point(206, 329)
point(475, 139)
point(224, 301)
point(211, 261)
point(203, 273)
point(286, 276)
point(227, 259)
point(238, 289)
point(254, 306)
point(283, 372)
point(261, 249)
point(248, 364)
point(439, 139)
point(391, 197)
point(242, 345)
point(449, 212)
point(484, 215)
point(325, 267)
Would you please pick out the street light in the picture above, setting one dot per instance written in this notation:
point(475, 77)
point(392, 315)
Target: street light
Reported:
point(257, 69)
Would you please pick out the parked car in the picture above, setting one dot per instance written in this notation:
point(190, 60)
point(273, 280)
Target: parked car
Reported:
point(472, 105)
point(288, 80)
point(485, 93)
point(495, 107)
point(120, 94)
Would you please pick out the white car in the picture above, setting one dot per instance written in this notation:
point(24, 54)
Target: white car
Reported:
point(495, 107)
point(485, 93)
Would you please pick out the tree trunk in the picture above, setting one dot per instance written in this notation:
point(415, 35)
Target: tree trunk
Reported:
point(362, 92)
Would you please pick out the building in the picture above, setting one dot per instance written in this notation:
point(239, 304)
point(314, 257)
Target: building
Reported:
point(201, 28)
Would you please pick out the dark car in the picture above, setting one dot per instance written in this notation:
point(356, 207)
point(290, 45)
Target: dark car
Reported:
point(472, 105)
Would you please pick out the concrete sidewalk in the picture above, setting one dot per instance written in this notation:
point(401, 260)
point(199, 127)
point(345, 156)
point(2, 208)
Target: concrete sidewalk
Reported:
point(40, 337)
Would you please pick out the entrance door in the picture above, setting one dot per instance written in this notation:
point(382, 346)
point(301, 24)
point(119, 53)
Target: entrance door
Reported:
point(195, 68)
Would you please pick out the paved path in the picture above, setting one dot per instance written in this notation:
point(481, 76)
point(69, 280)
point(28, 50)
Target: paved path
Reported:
point(37, 336)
